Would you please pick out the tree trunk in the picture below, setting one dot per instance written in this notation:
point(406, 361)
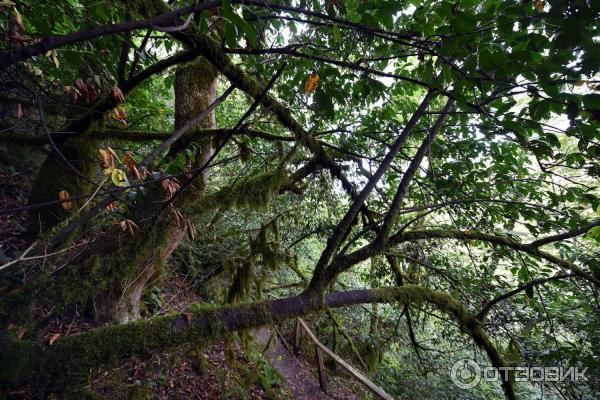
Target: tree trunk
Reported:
point(55, 176)
point(195, 90)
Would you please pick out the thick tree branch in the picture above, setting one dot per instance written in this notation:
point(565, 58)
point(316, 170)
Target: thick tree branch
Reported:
point(168, 18)
point(341, 228)
point(564, 235)
point(70, 358)
point(410, 172)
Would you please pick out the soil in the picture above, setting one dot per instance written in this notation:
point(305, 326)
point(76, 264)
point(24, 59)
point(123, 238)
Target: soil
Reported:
point(300, 376)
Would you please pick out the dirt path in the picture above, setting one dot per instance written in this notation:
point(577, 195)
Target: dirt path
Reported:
point(299, 379)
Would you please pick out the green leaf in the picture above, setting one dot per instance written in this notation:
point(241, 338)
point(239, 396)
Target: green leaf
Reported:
point(486, 60)
point(592, 101)
point(323, 103)
point(249, 33)
point(230, 34)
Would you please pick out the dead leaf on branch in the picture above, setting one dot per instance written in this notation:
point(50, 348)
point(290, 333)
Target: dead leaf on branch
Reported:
point(131, 164)
point(176, 218)
point(16, 28)
point(170, 187)
point(107, 159)
point(51, 54)
point(118, 114)
point(63, 195)
point(128, 225)
point(117, 94)
point(73, 93)
point(19, 20)
point(190, 229)
point(88, 88)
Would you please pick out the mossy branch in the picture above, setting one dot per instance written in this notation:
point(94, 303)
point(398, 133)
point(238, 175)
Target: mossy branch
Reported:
point(68, 361)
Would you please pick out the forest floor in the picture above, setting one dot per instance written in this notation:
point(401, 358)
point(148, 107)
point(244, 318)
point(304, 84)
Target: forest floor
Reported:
point(297, 373)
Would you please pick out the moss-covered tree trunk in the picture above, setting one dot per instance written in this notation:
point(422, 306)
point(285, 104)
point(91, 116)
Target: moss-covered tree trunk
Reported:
point(55, 176)
point(112, 274)
point(195, 90)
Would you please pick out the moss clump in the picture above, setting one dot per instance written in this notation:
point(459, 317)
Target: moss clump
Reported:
point(266, 253)
point(253, 193)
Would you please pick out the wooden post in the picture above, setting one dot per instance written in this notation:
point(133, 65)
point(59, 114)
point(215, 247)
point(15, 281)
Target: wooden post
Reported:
point(321, 367)
point(297, 331)
point(376, 390)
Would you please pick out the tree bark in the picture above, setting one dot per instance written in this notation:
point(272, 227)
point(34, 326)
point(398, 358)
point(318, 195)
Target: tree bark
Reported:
point(68, 361)
point(195, 90)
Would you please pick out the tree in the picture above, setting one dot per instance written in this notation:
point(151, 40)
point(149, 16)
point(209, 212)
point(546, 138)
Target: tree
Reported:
point(429, 122)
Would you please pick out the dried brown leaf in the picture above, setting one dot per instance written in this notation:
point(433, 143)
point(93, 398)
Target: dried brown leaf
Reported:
point(64, 197)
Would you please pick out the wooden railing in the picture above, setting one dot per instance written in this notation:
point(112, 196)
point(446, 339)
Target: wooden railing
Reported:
point(320, 348)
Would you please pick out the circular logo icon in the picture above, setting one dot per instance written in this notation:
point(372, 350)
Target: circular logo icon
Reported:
point(465, 374)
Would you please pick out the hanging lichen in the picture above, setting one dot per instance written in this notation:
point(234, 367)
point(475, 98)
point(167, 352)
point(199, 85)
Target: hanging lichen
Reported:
point(254, 192)
point(242, 283)
point(266, 254)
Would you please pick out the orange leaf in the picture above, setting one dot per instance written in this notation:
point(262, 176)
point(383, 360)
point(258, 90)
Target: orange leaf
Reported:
point(63, 195)
point(311, 83)
point(129, 160)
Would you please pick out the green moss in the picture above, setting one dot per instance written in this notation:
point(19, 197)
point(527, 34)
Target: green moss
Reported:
point(139, 392)
point(55, 176)
point(242, 281)
point(253, 193)
point(17, 360)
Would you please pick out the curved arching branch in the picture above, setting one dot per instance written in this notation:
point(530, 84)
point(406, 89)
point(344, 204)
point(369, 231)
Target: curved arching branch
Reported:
point(565, 235)
point(10, 57)
point(528, 248)
point(108, 102)
point(69, 358)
